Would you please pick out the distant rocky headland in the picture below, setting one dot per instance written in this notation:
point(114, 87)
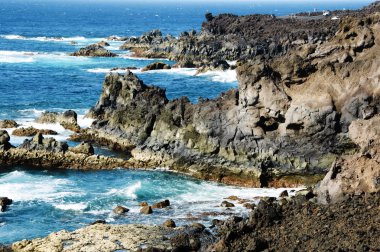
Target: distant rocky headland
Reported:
point(306, 110)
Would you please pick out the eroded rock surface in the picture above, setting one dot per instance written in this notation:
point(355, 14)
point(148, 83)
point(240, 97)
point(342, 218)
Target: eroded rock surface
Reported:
point(95, 50)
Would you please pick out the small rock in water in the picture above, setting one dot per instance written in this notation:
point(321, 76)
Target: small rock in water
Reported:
point(227, 204)
point(284, 194)
point(146, 210)
point(233, 198)
point(4, 202)
point(161, 204)
point(120, 210)
point(169, 223)
point(98, 222)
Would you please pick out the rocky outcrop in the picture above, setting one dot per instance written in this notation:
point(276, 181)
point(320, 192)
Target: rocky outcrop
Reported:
point(95, 50)
point(156, 66)
point(6, 124)
point(48, 153)
point(357, 173)
point(299, 224)
point(283, 126)
point(67, 119)
point(30, 131)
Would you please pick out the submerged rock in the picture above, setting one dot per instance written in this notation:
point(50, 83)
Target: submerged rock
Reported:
point(94, 50)
point(227, 204)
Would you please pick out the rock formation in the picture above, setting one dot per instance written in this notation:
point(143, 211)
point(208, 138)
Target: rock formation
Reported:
point(284, 125)
point(5, 124)
point(67, 119)
point(95, 50)
point(30, 131)
point(156, 66)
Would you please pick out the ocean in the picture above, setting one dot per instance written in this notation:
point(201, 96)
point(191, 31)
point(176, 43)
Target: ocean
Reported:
point(37, 75)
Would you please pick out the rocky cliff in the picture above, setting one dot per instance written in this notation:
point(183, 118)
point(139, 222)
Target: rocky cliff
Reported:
point(284, 125)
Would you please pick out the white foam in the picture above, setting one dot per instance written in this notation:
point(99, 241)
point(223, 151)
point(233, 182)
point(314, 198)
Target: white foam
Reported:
point(50, 39)
point(108, 70)
point(221, 76)
point(84, 122)
point(20, 186)
point(71, 206)
point(129, 191)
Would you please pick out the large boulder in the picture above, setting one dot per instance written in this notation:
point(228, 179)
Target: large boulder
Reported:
point(94, 50)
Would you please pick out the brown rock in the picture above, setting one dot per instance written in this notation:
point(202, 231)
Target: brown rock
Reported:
point(83, 148)
point(169, 223)
point(120, 210)
point(227, 204)
point(161, 204)
point(146, 210)
point(156, 66)
point(30, 131)
point(143, 204)
point(8, 124)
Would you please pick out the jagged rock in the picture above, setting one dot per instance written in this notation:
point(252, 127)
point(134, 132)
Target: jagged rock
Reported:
point(67, 119)
point(217, 65)
point(146, 210)
point(30, 131)
point(94, 50)
point(4, 141)
point(5, 124)
point(4, 203)
point(156, 66)
point(120, 210)
point(44, 144)
point(169, 223)
point(83, 148)
point(161, 204)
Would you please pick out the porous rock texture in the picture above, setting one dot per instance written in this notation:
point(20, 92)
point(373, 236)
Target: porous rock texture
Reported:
point(284, 124)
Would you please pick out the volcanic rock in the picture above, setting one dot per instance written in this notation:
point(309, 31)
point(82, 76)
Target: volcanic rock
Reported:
point(94, 50)
point(156, 66)
point(8, 124)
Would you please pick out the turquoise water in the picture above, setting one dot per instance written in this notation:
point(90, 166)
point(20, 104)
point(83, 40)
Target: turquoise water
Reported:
point(36, 75)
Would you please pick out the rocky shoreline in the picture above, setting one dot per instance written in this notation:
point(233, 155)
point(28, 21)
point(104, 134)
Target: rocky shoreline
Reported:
point(306, 108)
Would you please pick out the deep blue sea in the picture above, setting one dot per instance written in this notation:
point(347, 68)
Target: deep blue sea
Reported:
point(36, 75)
